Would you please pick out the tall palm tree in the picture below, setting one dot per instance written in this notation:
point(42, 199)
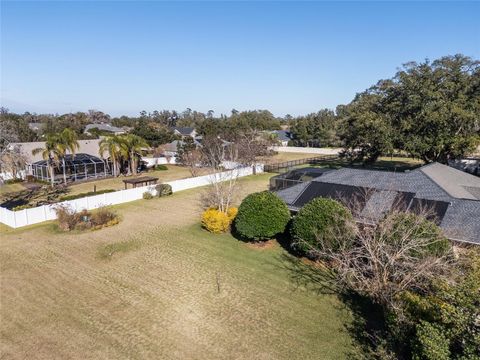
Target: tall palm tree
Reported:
point(133, 145)
point(67, 142)
point(51, 154)
point(113, 146)
point(55, 150)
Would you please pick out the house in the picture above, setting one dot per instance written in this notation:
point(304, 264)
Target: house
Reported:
point(450, 196)
point(185, 131)
point(86, 163)
point(104, 128)
point(283, 136)
point(171, 148)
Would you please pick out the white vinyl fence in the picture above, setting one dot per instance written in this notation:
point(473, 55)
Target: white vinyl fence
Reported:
point(16, 219)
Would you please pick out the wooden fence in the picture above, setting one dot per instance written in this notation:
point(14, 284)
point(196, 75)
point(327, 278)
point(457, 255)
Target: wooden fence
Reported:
point(287, 165)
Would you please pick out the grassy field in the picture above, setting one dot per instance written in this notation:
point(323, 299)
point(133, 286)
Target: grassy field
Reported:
point(158, 286)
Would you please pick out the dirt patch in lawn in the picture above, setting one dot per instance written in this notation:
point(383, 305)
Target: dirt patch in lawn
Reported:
point(263, 245)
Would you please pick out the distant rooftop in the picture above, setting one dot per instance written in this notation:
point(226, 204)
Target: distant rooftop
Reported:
point(184, 130)
point(104, 127)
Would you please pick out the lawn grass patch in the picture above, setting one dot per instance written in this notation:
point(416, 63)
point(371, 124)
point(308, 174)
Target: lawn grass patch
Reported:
point(170, 290)
point(109, 250)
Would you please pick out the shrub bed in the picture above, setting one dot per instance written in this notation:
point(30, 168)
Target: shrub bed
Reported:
point(68, 219)
point(161, 167)
point(261, 216)
point(81, 195)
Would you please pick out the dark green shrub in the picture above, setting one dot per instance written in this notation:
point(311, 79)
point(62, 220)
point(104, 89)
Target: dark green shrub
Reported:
point(161, 167)
point(261, 216)
point(323, 224)
point(163, 190)
point(81, 195)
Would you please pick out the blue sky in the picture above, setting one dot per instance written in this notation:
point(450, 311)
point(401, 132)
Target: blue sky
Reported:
point(289, 57)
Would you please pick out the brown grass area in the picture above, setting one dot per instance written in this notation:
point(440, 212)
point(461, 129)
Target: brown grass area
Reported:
point(171, 291)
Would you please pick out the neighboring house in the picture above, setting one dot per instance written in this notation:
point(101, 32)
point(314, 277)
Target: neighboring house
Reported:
point(185, 131)
point(171, 149)
point(451, 196)
point(90, 147)
point(103, 127)
point(87, 159)
point(283, 136)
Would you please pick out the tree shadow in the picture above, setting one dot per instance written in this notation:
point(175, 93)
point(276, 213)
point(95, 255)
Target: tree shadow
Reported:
point(368, 326)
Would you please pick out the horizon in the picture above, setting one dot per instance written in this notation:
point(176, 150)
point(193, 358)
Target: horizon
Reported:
point(288, 58)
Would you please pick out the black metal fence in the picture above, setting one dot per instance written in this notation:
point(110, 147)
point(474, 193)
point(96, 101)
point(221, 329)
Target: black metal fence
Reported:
point(287, 165)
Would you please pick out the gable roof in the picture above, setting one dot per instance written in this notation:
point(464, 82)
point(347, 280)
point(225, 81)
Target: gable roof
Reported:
point(456, 183)
point(184, 130)
point(436, 187)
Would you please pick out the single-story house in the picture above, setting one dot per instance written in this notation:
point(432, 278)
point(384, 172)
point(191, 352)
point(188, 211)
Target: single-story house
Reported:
point(103, 127)
point(86, 163)
point(450, 196)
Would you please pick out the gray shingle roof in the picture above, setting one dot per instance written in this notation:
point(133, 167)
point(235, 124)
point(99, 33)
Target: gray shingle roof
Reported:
point(432, 182)
point(104, 127)
point(184, 130)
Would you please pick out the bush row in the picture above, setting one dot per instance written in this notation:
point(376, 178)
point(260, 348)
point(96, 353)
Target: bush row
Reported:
point(89, 193)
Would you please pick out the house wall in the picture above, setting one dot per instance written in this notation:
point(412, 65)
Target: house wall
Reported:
point(16, 219)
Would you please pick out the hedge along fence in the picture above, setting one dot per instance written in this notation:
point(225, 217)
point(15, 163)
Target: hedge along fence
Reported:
point(16, 219)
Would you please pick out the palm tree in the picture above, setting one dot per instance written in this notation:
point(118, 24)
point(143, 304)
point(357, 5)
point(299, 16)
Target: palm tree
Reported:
point(50, 153)
point(113, 146)
point(133, 145)
point(55, 150)
point(68, 142)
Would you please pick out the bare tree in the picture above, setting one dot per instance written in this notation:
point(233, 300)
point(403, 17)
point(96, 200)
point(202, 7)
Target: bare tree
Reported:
point(401, 252)
point(253, 145)
point(12, 161)
point(223, 185)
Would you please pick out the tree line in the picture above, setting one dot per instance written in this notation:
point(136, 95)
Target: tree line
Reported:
point(429, 110)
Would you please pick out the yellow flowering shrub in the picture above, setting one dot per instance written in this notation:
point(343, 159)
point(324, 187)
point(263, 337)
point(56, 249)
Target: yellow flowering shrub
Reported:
point(217, 221)
point(232, 212)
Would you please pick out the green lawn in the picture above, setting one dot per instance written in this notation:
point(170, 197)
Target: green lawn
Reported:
point(158, 286)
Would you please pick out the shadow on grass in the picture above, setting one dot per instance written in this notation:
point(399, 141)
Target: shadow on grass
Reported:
point(368, 327)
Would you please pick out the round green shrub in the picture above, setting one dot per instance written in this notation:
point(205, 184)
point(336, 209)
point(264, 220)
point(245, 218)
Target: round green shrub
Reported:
point(161, 167)
point(323, 224)
point(261, 216)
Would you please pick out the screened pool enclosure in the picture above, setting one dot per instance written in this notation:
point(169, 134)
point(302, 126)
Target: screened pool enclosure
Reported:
point(77, 167)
